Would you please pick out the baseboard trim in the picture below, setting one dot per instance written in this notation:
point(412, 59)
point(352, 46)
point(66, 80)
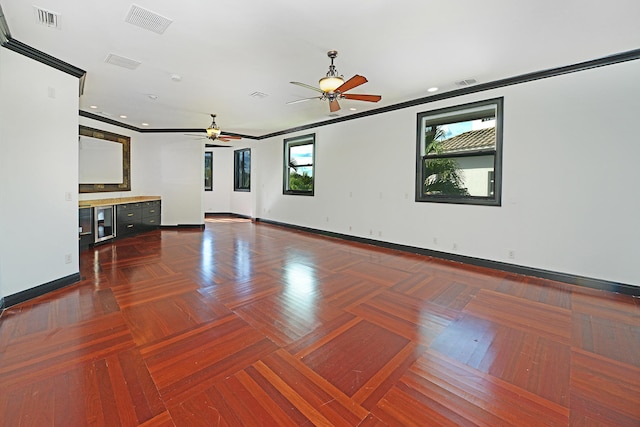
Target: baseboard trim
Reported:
point(37, 291)
point(588, 282)
point(226, 214)
point(198, 226)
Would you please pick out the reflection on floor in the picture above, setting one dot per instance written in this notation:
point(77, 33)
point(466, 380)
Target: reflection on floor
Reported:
point(250, 324)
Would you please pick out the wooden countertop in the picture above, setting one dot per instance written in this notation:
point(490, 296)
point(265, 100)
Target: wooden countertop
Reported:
point(116, 201)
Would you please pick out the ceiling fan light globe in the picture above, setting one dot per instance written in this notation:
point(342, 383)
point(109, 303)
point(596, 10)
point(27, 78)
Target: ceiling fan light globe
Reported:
point(330, 84)
point(213, 132)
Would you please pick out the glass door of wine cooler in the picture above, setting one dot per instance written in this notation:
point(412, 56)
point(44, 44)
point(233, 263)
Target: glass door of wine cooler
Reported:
point(105, 223)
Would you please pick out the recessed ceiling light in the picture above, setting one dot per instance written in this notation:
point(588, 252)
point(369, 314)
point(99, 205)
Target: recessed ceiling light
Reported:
point(432, 89)
point(122, 116)
point(93, 106)
point(176, 77)
point(153, 97)
point(352, 109)
point(145, 124)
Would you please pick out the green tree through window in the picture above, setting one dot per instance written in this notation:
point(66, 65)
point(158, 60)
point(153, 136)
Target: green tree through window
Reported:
point(443, 175)
point(299, 155)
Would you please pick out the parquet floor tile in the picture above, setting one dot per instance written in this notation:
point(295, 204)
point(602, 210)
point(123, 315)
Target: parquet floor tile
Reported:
point(250, 324)
point(190, 361)
point(604, 392)
point(350, 359)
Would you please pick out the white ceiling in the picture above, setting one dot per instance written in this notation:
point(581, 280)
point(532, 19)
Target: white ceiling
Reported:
point(225, 50)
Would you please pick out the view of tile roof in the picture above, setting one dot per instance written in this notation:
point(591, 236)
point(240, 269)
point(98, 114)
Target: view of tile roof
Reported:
point(472, 140)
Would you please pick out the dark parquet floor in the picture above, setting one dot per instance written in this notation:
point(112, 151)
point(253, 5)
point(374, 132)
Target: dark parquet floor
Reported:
point(248, 324)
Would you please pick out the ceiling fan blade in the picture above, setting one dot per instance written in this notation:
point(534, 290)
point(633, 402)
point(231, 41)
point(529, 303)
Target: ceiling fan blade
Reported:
point(307, 86)
point(334, 106)
point(216, 146)
point(370, 98)
point(354, 81)
point(202, 135)
point(228, 137)
point(303, 99)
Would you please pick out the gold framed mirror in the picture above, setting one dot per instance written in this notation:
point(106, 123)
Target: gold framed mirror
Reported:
point(109, 156)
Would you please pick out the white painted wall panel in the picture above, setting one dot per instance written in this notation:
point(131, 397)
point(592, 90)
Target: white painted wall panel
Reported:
point(219, 199)
point(38, 173)
point(570, 179)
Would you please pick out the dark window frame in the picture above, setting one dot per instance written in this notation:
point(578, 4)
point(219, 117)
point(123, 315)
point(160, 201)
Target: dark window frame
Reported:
point(240, 157)
point(457, 114)
point(208, 171)
point(309, 139)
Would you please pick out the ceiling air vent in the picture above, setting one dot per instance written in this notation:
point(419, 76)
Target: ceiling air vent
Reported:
point(121, 61)
point(46, 17)
point(258, 95)
point(148, 20)
point(466, 82)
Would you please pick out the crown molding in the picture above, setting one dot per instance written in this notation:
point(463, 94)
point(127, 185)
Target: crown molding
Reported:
point(10, 43)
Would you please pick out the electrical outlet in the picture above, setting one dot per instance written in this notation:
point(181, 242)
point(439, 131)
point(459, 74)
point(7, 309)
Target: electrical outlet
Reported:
point(455, 246)
point(435, 240)
point(327, 219)
point(379, 233)
point(67, 196)
point(512, 254)
point(67, 259)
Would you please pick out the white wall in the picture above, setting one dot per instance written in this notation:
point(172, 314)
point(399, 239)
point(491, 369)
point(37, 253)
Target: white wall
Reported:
point(38, 172)
point(244, 202)
point(570, 179)
point(219, 199)
point(181, 178)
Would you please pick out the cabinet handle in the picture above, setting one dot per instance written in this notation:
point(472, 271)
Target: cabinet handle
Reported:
point(153, 220)
point(152, 211)
point(130, 214)
point(130, 226)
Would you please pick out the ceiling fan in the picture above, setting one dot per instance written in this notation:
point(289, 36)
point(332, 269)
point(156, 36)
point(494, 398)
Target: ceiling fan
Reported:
point(214, 133)
point(333, 87)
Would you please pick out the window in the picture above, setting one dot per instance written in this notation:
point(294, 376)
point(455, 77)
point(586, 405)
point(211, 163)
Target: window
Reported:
point(242, 170)
point(208, 171)
point(299, 155)
point(459, 154)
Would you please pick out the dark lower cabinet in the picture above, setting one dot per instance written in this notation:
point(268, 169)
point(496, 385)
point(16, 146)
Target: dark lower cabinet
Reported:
point(128, 219)
point(85, 228)
point(151, 214)
point(133, 218)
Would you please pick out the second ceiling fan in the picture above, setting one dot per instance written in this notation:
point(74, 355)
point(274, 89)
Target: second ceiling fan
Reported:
point(214, 133)
point(333, 87)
